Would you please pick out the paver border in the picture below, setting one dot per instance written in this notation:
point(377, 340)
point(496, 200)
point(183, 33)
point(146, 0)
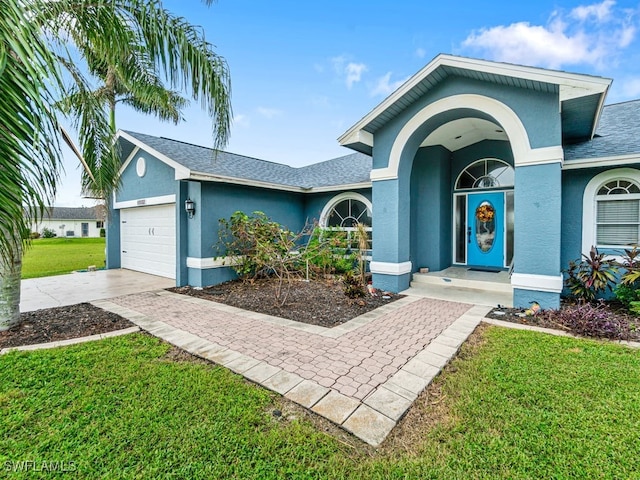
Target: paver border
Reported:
point(552, 331)
point(369, 419)
point(70, 341)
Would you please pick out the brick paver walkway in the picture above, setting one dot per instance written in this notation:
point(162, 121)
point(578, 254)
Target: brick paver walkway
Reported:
point(382, 359)
point(354, 364)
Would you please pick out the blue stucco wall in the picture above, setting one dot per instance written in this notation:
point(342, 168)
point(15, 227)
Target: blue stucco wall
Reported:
point(112, 239)
point(431, 200)
point(158, 180)
point(538, 112)
point(218, 200)
point(538, 199)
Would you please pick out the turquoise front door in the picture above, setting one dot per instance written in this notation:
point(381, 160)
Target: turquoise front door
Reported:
point(485, 229)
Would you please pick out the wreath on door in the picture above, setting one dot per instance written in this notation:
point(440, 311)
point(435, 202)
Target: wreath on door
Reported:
point(485, 212)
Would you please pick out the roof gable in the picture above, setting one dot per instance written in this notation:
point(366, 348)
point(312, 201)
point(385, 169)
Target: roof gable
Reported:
point(581, 96)
point(202, 163)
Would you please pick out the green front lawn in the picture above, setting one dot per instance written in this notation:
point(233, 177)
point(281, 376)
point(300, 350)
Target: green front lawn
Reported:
point(518, 405)
point(55, 256)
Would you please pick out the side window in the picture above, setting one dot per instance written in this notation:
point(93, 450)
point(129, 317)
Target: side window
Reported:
point(617, 214)
point(611, 210)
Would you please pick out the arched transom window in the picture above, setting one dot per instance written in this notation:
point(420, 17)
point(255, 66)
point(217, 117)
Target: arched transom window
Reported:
point(618, 213)
point(345, 212)
point(486, 173)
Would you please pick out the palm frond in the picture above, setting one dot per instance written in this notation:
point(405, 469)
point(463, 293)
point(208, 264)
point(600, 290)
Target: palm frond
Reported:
point(29, 148)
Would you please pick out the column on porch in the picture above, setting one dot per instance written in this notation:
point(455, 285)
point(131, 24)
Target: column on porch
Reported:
point(390, 266)
point(537, 273)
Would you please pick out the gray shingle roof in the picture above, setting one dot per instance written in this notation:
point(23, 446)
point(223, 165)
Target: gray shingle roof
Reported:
point(353, 168)
point(68, 213)
point(618, 134)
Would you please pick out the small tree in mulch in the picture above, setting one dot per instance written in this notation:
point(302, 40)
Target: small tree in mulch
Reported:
point(260, 247)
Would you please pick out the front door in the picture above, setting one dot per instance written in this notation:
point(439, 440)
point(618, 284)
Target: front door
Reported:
point(485, 229)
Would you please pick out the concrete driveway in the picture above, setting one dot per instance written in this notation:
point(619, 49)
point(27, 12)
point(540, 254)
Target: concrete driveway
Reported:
point(75, 288)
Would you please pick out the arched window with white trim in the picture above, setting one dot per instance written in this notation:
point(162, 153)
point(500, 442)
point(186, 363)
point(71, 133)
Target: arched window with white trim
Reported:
point(345, 211)
point(611, 210)
point(486, 173)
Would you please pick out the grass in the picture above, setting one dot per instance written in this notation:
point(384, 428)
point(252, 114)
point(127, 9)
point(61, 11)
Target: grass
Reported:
point(515, 405)
point(55, 256)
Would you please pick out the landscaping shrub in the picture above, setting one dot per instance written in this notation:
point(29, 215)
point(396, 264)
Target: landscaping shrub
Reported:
point(48, 233)
point(353, 286)
point(328, 251)
point(590, 320)
point(627, 294)
point(591, 275)
point(260, 247)
point(34, 235)
point(103, 233)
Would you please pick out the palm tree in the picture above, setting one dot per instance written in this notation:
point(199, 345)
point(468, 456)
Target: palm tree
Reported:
point(125, 42)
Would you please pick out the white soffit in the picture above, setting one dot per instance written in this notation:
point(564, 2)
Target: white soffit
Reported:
point(463, 132)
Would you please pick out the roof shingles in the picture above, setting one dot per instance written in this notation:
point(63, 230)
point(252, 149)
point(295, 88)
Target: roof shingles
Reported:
point(618, 134)
point(350, 169)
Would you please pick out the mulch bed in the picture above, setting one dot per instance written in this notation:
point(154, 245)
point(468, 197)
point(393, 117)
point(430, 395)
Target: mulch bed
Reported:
point(315, 302)
point(613, 320)
point(61, 323)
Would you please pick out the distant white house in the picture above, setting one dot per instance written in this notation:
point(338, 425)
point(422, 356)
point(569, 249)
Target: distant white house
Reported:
point(72, 222)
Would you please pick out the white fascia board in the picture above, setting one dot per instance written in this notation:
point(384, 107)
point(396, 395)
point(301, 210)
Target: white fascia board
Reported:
point(575, 85)
point(388, 268)
point(602, 162)
point(144, 202)
point(540, 283)
point(357, 136)
point(181, 172)
point(126, 163)
point(206, 177)
point(337, 188)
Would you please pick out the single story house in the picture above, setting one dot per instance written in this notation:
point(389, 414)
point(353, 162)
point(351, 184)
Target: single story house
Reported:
point(72, 222)
point(470, 163)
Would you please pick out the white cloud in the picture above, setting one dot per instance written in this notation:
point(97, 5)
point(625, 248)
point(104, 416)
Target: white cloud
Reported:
point(600, 11)
point(384, 86)
point(241, 121)
point(589, 34)
point(354, 73)
point(269, 112)
point(421, 52)
point(350, 71)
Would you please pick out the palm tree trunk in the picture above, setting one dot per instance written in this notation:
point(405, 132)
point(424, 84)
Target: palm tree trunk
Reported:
point(10, 273)
point(110, 86)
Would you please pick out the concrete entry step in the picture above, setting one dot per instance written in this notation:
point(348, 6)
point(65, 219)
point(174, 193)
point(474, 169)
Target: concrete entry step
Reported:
point(464, 285)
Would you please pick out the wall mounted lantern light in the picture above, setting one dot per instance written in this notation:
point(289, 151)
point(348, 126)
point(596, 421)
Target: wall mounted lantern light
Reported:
point(190, 207)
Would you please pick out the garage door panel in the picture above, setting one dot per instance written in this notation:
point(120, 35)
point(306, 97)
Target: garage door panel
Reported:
point(147, 239)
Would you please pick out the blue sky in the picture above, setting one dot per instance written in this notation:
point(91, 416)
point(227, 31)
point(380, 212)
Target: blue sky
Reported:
point(304, 72)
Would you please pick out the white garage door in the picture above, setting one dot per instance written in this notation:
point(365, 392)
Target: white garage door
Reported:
point(148, 239)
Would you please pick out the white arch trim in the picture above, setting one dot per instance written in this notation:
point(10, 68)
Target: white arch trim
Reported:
point(589, 201)
point(505, 116)
point(339, 198)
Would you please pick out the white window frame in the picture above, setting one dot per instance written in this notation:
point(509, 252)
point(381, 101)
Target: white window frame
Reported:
point(483, 160)
point(326, 211)
point(589, 204)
